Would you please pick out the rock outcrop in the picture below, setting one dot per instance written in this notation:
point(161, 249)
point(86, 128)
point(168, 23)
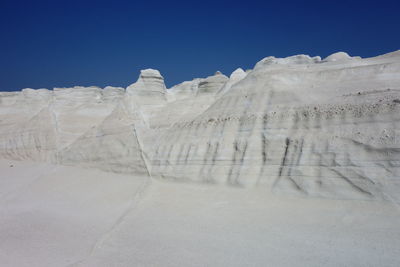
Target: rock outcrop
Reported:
point(149, 87)
point(235, 77)
point(298, 125)
point(212, 84)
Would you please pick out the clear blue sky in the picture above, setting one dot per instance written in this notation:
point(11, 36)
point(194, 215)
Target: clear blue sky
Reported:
point(46, 44)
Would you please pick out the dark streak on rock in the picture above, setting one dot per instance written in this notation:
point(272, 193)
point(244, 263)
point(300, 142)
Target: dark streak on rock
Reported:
point(264, 149)
point(214, 157)
point(345, 178)
point(300, 152)
point(205, 157)
point(287, 142)
point(187, 154)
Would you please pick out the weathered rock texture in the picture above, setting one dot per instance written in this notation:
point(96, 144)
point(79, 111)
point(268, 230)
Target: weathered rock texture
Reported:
point(303, 125)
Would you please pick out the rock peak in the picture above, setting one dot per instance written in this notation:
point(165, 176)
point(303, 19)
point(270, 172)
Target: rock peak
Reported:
point(150, 86)
point(150, 73)
point(339, 56)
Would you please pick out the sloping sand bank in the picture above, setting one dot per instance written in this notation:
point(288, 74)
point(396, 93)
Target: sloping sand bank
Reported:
point(66, 216)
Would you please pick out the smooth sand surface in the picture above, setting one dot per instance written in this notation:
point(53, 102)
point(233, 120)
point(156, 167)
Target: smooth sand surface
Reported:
point(67, 216)
point(53, 215)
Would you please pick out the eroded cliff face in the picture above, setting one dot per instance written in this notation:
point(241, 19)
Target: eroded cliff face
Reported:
point(327, 128)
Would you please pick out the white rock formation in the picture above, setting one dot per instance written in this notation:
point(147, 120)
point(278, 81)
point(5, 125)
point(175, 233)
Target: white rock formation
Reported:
point(327, 128)
point(183, 90)
point(339, 56)
point(149, 87)
point(293, 60)
point(235, 77)
point(212, 84)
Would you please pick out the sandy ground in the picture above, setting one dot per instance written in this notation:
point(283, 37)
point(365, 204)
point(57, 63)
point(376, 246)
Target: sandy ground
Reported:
point(66, 216)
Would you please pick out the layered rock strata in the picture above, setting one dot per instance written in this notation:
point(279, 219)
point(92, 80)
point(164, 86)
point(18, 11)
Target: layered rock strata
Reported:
point(305, 125)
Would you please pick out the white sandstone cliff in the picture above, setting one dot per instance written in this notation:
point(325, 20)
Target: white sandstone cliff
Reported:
point(302, 125)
